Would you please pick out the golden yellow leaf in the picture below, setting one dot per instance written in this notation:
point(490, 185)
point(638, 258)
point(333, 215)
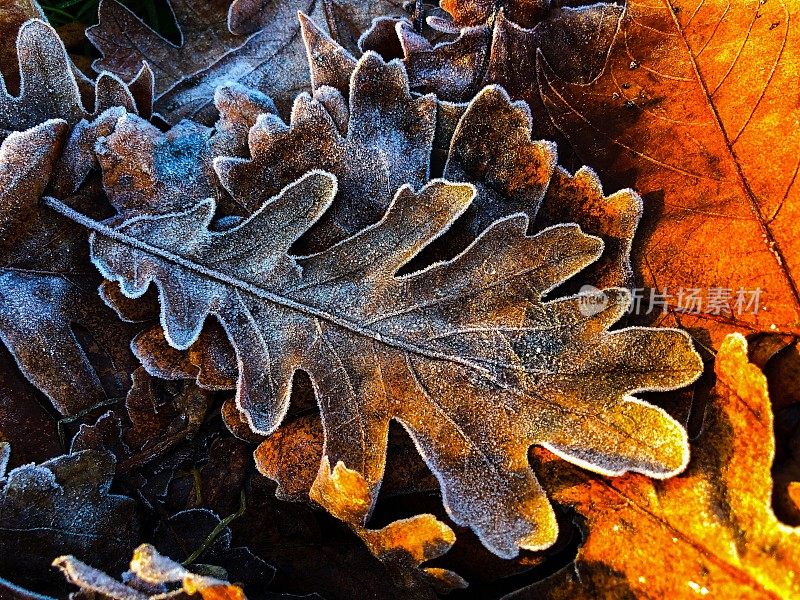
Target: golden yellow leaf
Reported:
point(697, 110)
point(402, 545)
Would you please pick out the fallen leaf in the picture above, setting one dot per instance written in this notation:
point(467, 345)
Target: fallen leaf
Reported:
point(498, 43)
point(387, 144)
point(405, 544)
point(709, 531)
point(13, 15)
point(379, 347)
point(47, 286)
point(488, 143)
point(470, 13)
point(348, 20)
point(708, 75)
point(210, 360)
point(254, 44)
point(150, 568)
point(490, 146)
point(146, 171)
point(239, 108)
point(52, 88)
point(783, 374)
point(719, 81)
point(406, 292)
point(291, 457)
point(49, 88)
point(153, 422)
point(62, 505)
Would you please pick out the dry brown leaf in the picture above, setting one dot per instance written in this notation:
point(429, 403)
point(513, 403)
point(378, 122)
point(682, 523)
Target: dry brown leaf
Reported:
point(211, 360)
point(63, 505)
point(291, 458)
point(499, 44)
point(387, 143)
point(708, 532)
point(487, 143)
point(153, 422)
point(51, 88)
point(147, 171)
point(47, 286)
point(256, 44)
point(12, 16)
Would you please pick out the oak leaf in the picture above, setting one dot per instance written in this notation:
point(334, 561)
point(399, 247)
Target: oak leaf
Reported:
point(152, 423)
point(51, 88)
point(13, 15)
point(712, 525)
point(348, 20)
point(489, 146)
point(62, 506)
point(404, 544)
point(254, 44)
point(210, 361)
point(487, 143)
point(387, 143)
point(239, 108)
point(498, 44)
point(146, 170)
point(379, 347)
point(470, 13)
point(47, 286)
point(148, 569)
point(291, 457)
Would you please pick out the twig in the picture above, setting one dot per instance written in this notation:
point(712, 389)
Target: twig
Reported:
point(217, 530)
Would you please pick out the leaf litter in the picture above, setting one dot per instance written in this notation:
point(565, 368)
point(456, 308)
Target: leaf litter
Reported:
point(386, 342)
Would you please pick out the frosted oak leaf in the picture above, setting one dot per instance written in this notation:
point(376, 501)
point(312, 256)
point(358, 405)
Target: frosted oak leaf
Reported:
point(48, 288)
point(464, 354)
point(487, 143)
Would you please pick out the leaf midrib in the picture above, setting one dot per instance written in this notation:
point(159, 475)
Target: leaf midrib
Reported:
point(261, 293)
point(305, 309)
point(277, 299)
